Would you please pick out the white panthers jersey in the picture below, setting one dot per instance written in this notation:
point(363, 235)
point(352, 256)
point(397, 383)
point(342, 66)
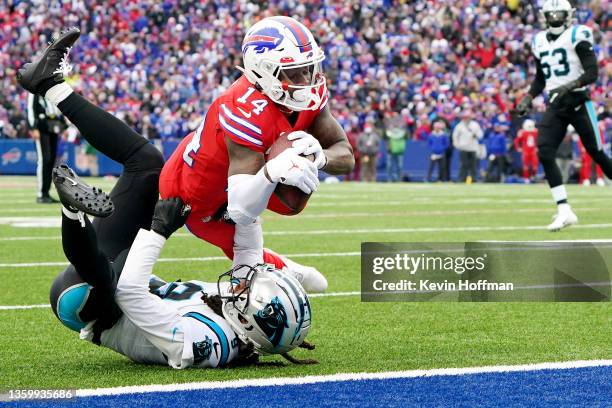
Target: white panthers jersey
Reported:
point(558, 58)
point(211, 341)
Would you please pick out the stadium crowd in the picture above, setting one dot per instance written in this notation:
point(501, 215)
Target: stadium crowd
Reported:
point(159, 64)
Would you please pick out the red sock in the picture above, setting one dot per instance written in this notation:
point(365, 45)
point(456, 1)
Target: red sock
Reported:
point(274, 259)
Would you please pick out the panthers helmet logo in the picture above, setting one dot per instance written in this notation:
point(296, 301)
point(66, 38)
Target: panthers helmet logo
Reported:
point(202, 350)
point(273, 320)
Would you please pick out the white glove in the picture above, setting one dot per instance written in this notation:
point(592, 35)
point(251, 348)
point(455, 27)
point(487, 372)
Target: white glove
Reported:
point(310, 144)
point(292, 169)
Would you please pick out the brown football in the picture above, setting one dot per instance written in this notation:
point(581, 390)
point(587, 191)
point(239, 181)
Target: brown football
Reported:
point(290, 196)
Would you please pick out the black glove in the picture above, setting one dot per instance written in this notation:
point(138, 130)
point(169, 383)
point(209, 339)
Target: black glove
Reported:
point(524, 105)
point(170, 215)
point(556, 95)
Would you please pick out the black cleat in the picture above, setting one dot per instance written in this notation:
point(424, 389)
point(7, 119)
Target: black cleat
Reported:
point(46, 200)
point(51, 66)
point(78, 196)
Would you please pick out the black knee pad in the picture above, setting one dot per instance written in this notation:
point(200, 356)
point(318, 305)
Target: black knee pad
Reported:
point(147, 157)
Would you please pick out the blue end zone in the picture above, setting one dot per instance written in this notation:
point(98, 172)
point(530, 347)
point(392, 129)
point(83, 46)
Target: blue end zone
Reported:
point(554, 388)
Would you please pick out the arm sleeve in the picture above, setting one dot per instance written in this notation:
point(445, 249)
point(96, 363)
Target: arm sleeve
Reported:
point(248, 196)
point(588, 59)
point(162, 324)
point(248, 244)
point(32, 116)
point(539, 82)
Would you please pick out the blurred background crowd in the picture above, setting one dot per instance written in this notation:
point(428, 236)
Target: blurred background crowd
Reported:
point(395, 68)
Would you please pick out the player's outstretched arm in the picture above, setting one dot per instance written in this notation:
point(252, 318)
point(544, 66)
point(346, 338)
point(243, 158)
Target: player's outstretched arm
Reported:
point(161, 322)
point(337, 149)
point(251, 181)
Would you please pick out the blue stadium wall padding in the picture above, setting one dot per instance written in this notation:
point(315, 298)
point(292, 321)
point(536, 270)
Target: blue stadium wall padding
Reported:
point(17, 157)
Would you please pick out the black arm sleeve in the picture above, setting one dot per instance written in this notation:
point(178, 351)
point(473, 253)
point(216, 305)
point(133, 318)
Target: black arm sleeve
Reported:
point(539, 82)
point(588, 59)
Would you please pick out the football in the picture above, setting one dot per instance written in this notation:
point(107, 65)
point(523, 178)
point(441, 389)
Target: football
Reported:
point(292, 197)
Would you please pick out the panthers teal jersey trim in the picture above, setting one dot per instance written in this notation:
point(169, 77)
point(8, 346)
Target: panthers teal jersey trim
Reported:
point(223, 340)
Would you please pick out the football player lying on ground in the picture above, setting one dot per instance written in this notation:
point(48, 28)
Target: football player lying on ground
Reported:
point(136, 323)
point(221, 169)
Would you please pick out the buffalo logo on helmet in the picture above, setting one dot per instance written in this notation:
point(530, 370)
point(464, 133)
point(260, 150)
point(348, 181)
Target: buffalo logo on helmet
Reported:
point(202, 350)
point(273, 320)
point(263, 40)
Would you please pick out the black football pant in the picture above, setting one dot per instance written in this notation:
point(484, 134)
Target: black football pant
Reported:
point(467, 165)
point(552, 129)
point(97, 251)
point(46, 149)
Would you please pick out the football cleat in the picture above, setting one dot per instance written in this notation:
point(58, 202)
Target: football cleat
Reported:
point(562, 220)
point(46, 200)
point(79, 196)
point(310, 278)
point(52, 64)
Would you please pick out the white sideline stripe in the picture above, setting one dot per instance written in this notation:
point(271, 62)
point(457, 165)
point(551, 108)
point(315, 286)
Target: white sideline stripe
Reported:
point(315, 379)
point(313, 295)
point(196, 259)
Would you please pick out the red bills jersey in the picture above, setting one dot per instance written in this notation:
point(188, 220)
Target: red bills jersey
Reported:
point(197, 170)
point(526, 140)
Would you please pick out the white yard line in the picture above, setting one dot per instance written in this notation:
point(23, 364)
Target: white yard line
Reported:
point(337, 232)
point(315, 379)
point(313, 295)
point(24, 307)
point(193, 259)
point(368, 231)
point(55, 221)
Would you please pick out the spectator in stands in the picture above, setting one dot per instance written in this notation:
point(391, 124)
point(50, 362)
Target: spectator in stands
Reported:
point(395, 137)
point(466, 138)
point(168, 60)
point(368, 146)
point(438, 142)
point(497, 147)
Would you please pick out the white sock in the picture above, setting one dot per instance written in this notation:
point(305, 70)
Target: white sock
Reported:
point(76, 216)
point(563, 208)
point(559, 193)
point(70, 214)
point(58, 93)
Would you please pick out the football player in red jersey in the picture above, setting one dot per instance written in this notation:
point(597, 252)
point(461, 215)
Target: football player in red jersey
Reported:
point(220, 170)
point(525, 143)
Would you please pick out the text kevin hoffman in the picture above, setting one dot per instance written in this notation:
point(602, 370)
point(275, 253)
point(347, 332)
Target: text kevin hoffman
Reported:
point(425, 285)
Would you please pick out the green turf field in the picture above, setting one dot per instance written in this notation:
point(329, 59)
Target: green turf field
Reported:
point(36, 351)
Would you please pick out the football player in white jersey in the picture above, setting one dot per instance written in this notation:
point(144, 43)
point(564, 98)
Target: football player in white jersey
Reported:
point(565, 65)
point(104, 292)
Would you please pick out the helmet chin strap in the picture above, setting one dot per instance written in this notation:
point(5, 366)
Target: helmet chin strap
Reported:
point(557, 30)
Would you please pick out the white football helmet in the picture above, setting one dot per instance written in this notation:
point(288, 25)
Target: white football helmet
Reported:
point(266, 307)
point(558, 15)
point(282, 58)
point(529, 125)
